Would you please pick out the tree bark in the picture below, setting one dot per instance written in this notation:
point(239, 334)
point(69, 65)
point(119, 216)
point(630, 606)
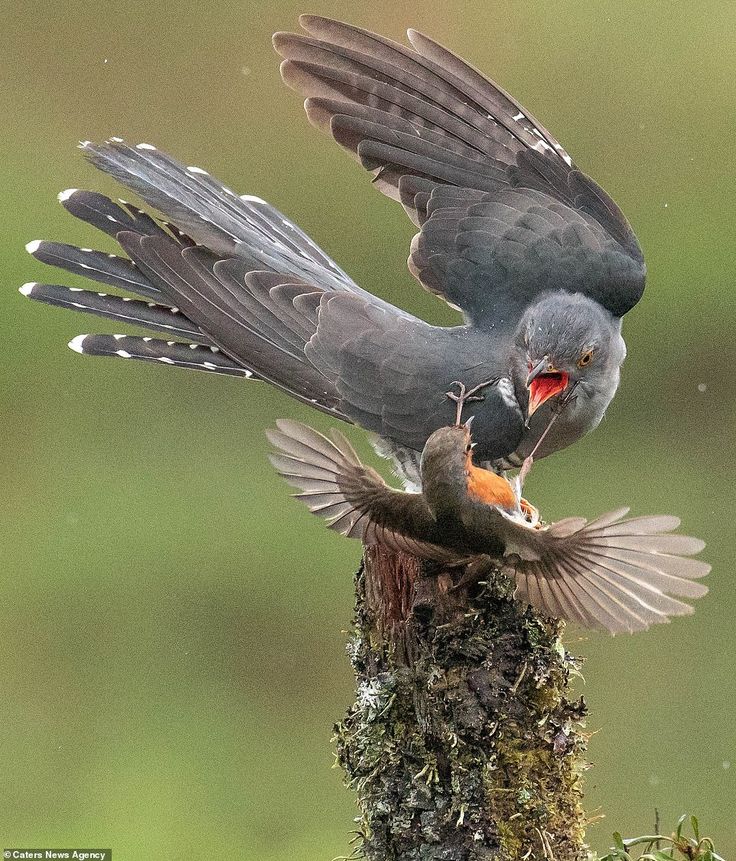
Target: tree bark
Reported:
point(462, 744)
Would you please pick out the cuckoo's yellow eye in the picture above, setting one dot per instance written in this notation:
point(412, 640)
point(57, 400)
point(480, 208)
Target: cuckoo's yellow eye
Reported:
point(585, 359)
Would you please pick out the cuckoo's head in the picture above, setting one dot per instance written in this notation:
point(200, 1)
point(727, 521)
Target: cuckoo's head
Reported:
point(566, 341)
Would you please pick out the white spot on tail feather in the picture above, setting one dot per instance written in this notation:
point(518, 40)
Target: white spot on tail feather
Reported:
point(123, 354)
point(27, 288)
point(251, 198)
point(76, 344)
point(66, 194)
point(541, 146)
point(194, 169)
point(166, 360)
point(32, 247)
point(145, 146)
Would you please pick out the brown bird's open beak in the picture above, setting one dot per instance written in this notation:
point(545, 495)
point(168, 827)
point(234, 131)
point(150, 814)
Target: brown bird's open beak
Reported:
point(544, 382)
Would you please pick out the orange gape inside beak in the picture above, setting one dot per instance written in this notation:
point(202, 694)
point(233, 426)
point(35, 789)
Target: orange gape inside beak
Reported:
point(544, 387)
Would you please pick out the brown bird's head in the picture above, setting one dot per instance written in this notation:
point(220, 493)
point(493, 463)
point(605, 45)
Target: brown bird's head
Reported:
point(447, 452)
point(450, 477)
point(444, 466)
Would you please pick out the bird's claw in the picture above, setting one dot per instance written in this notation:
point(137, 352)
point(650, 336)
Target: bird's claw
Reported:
point(464, 395)
point(530, 512)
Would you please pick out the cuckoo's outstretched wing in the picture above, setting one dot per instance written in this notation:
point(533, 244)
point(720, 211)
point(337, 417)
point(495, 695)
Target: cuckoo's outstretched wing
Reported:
point(493, 253)
point(421, 119)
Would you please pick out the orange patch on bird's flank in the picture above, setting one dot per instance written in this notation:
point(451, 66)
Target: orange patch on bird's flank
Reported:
point(486, 486)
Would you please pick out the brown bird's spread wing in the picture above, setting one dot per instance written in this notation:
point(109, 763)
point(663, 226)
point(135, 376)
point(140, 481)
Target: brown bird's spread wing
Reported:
point(353, 498)
point(612, 573)
point(504, 213)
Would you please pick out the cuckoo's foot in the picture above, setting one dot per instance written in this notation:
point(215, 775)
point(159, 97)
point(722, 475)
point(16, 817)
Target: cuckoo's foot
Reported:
point(464, 395)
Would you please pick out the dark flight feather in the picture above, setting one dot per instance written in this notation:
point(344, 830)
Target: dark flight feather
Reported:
point(426, 113)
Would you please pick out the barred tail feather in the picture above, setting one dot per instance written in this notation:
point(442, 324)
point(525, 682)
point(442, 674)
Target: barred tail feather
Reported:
point(108, 216)
point(150, 315)
point(174, 353)
point(105, 268)
point(213, 214)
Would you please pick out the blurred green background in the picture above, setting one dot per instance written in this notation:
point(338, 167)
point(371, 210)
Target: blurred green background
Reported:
point(171, 623)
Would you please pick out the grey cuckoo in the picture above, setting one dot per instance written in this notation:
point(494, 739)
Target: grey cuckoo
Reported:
point(537, 257)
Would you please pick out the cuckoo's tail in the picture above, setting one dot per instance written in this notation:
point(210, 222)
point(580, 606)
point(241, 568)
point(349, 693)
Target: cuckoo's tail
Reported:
point(230, 280)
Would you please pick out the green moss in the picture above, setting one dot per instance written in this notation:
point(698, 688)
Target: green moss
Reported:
point(462, 744)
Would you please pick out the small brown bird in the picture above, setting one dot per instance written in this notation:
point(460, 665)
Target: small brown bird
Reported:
point(612, 573)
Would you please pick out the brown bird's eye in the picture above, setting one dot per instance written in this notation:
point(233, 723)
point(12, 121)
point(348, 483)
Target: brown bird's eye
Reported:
point(585, 359)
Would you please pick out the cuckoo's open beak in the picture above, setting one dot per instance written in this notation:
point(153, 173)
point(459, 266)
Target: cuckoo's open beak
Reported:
point(544, 382)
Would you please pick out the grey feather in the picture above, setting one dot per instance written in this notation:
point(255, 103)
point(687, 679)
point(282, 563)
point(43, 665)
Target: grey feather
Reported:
point(150, 315)
point(173, 353)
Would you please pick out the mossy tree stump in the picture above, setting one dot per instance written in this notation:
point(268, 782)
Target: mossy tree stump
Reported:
point(462, 744)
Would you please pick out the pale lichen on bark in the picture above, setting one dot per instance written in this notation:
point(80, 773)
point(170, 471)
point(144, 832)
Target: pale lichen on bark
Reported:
point(462, 744)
